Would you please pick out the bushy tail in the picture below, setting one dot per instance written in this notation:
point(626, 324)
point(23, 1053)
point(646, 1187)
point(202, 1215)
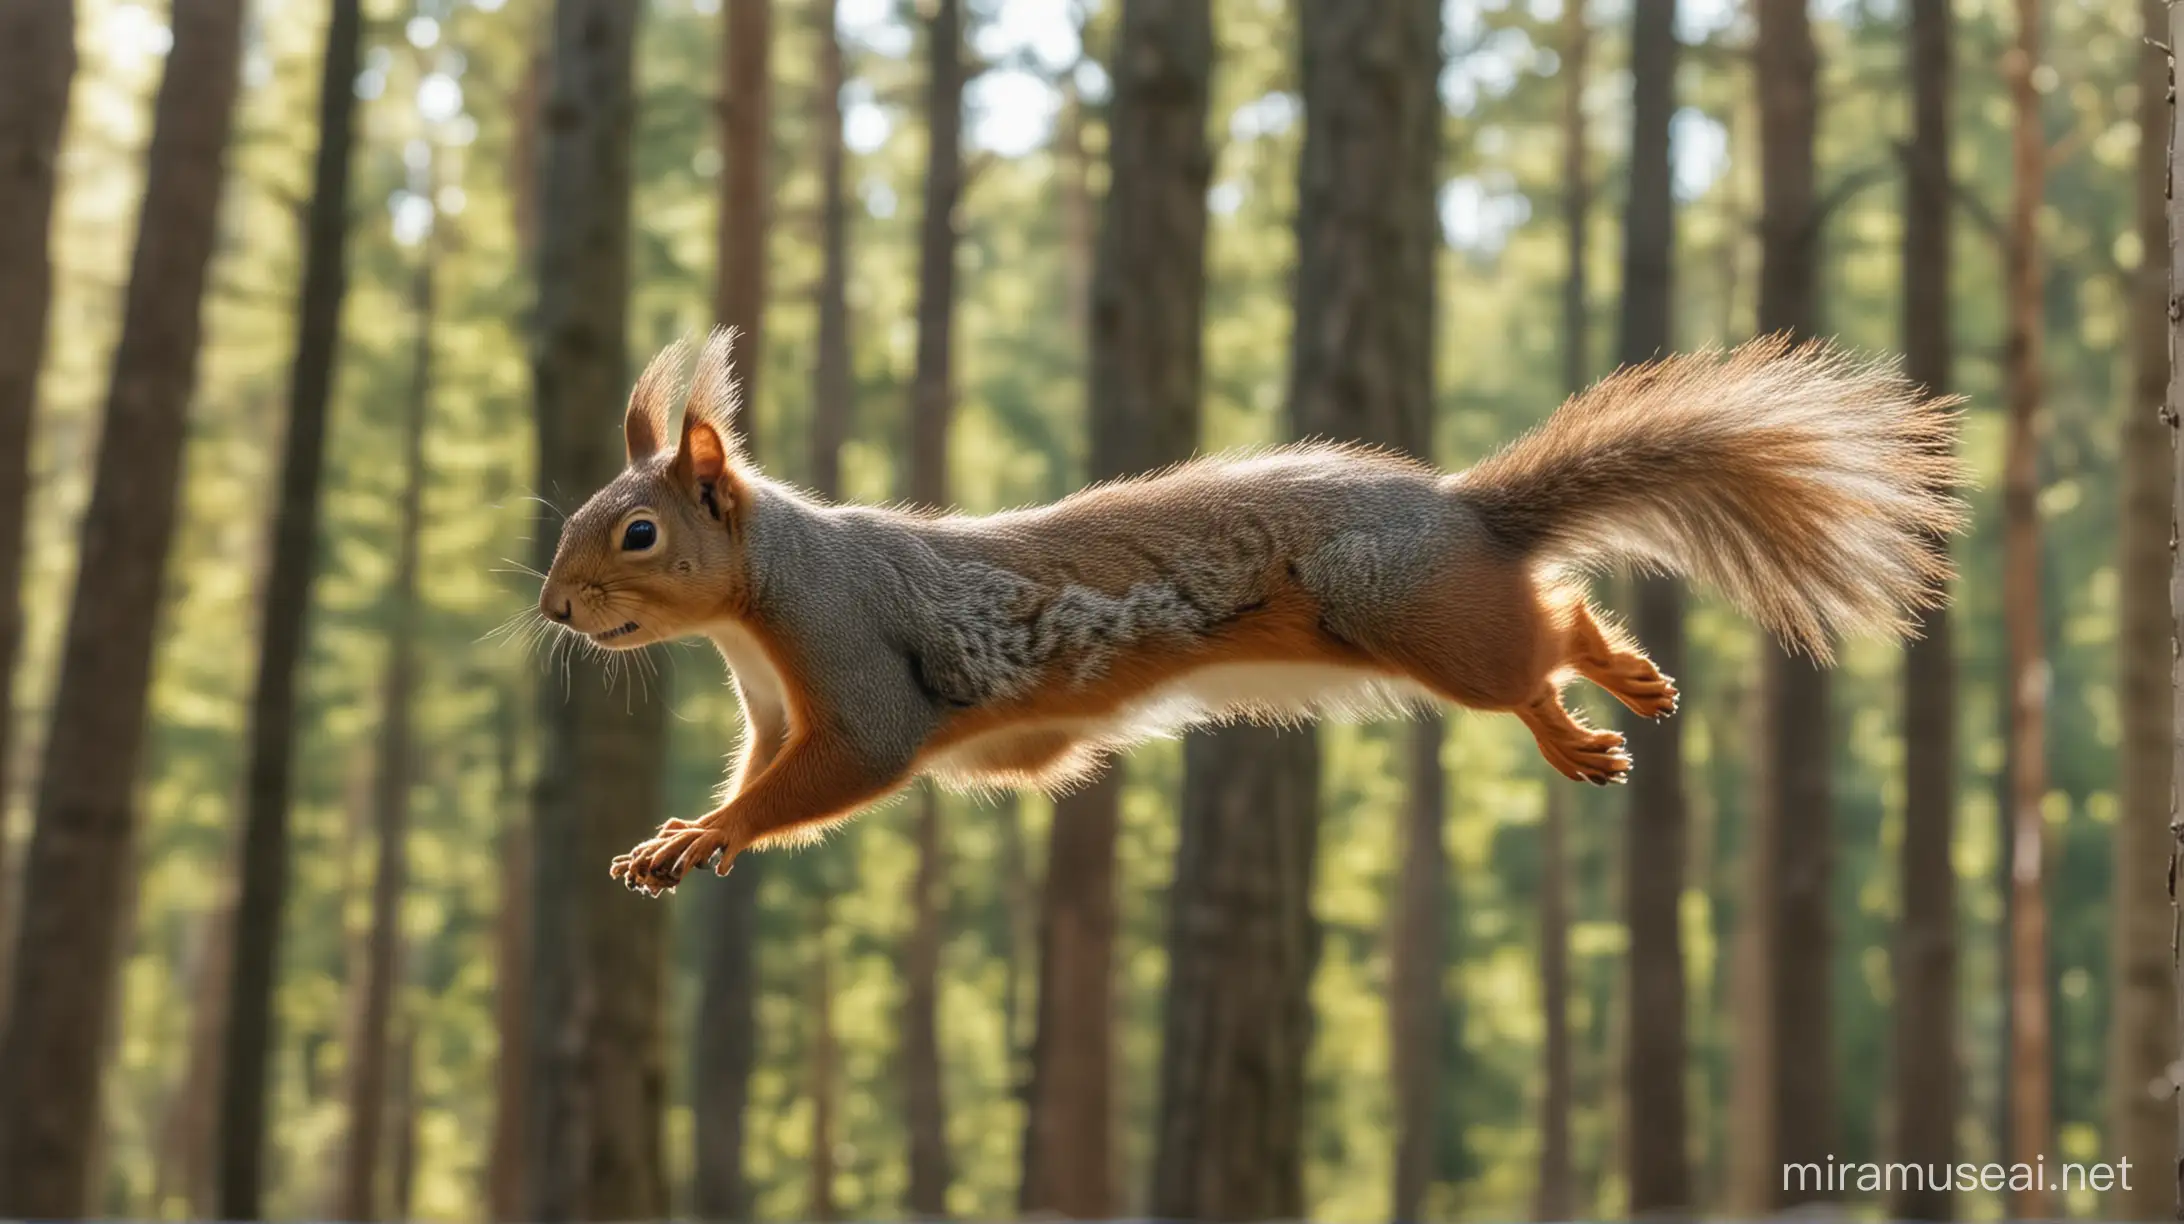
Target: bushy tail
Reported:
point(1811, 487)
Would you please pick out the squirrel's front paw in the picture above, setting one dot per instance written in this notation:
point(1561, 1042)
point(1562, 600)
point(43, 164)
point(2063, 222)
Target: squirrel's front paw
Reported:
point(656, 866)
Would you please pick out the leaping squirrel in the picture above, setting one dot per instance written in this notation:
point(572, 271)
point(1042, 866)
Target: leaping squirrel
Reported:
point(870, 646)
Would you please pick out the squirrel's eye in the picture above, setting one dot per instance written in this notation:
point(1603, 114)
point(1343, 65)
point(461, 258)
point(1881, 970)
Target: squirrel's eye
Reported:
point(640, 535)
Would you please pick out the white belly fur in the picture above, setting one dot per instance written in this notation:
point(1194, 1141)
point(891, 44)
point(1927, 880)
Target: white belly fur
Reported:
point(1255, 692)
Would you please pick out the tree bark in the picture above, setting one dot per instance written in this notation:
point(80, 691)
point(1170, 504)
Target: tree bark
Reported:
point(69, 941)
point(931, 406)
point(392, 772)
point(402, 1108)
point(725, 1037)
point(184, 1169)
point(1416, 1012)
point(1796, 750)
point(505, 1174)
point(925, 1105)
point(1145, 369)
point(1242, 939)
point(598, 1084)
point(262, 853)
point(2031, 1094)
point(38, 54)
point(1552, 1199)
point(2172, 414)
point(831, 381)
point(2142, 1038)
point(1656, 1161)
point(746, 135)
point(1926, 1091)
point(831, 393)
point(825, 1059)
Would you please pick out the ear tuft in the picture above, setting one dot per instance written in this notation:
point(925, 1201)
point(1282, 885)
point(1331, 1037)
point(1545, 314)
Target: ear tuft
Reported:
point(716, 398)
point(644, 425)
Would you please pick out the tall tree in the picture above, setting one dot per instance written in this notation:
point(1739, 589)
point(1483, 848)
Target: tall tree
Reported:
point(725, 1037)
point(2026, 676)
point(831, 411)
point(1656, 1162)
point(1795, 754)
point(1242, 939)
point(931, 407)
point(183, 1159)
point(831, 380)
point(70, 937)
point(369, 1076)
point(1925, 1095)
point(598, 1084)
point(261, 872)
point(507, 1176)
point(819, 1205)
point(38, 53)
point(2172, 416)
point(1552, 1199)
point(2143, 1036)
point(1145, 357)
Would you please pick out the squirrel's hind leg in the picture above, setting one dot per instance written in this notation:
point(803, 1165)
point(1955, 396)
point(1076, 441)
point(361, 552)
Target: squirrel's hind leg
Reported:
point(1577, 751)
point(1607, 656)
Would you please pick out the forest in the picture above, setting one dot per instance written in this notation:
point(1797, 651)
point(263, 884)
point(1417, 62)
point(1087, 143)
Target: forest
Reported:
point(317, 317)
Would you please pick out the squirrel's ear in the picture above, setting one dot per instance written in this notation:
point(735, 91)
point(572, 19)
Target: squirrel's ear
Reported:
point(644, 426)
point(707, 458)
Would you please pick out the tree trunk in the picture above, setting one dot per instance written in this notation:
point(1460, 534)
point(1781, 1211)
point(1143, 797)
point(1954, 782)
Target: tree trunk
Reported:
point(402, 1108)
point(2142, 1040)
point(1925, 1091)
point(831, 410)
point(1075, 189)
point(2031, 1123)
point(507, 1172)
point(69, 939)
point(924, 1104)
point(38, 53)
point(831, 381)
point(184, 1170)
point(1656, 1163)
point(598, 1087)
point(819, 1203)
point(1242, 939)
point(931, 406)
point(1795, 752)
point(1552, 1198)
point(725, 1036)
point(392, 775)
point(2172, 414)
point(1145, 369)
point(1749, 1191)
point(1242, 944)
point(505, 1176)
point(262, 854)
point(1416, 1013)
point(746, 135)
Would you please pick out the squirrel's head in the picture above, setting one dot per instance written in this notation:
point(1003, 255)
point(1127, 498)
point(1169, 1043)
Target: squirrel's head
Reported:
point(659, 552)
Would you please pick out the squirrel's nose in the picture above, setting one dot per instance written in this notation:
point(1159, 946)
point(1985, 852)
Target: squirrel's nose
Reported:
point(562, 613)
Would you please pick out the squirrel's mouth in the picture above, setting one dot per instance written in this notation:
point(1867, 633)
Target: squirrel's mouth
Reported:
point(608, 635)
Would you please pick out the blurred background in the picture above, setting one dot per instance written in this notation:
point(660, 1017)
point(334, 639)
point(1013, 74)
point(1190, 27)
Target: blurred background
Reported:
point(314, 316)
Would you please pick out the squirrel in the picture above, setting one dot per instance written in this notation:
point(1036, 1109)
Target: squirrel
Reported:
point(869, 646)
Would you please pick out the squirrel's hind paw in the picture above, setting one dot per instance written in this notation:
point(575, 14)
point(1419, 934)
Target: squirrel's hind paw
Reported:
point(657, 865)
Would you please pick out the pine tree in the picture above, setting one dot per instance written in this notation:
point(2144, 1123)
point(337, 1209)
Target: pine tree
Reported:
point(83, 839)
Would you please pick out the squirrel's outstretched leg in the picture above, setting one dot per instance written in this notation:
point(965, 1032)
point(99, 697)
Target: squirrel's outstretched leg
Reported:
point(1577, 752)
point(817, 777)
point(1607, 656)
